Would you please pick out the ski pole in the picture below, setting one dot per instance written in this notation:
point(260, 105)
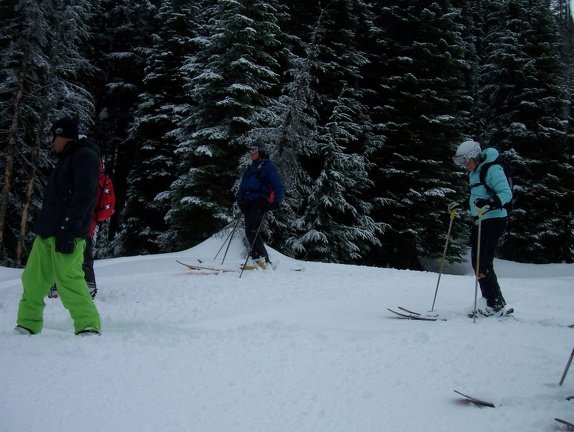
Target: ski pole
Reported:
point(252, 244)
point(229, 237)
point(477, 264)
point(567, 367)
point(452, 214)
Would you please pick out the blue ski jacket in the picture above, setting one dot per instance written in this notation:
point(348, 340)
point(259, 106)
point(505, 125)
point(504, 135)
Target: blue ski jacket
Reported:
point(495, 179)
point(261, 180)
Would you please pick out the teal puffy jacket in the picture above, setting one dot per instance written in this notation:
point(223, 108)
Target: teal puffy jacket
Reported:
point(495, 179)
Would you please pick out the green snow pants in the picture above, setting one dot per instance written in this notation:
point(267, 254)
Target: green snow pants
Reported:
point(46, 266)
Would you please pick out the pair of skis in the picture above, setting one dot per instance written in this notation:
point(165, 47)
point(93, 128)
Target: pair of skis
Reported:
point(412, 315)
point(208, 270)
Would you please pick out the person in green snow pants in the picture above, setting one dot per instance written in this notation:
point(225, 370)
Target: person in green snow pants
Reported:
point(44, 265)
point(63, 223)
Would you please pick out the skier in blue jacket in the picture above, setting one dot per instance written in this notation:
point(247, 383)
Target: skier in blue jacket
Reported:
point(489, 200)
point(260, 190)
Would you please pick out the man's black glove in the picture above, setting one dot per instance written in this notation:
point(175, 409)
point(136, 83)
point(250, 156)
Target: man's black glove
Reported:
point(272, 206)
point(65, 241)
point(488, 203)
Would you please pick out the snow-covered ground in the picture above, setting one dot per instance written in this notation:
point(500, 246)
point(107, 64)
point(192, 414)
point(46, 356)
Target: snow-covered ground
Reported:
point(288, 351)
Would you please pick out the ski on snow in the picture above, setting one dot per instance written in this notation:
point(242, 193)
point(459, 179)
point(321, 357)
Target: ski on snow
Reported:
point(211, 269)
point(509, 313)
point(475, 401)
point(480, 402)
point(428, 315)
point(408, 314)
point(207, 270)
point(570, 426)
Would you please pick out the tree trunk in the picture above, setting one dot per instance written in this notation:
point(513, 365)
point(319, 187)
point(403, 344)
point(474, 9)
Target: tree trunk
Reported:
point(29, 192)
point(12, 138)
point(13, 133)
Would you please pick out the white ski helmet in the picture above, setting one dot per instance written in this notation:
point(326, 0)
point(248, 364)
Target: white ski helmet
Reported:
point(466, 151)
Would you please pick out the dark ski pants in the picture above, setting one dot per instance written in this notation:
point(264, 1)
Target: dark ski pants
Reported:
point(254, 212)
point(88, 265)
point(491, 232)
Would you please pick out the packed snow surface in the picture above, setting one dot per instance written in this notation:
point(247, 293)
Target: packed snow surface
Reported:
point(290, 351)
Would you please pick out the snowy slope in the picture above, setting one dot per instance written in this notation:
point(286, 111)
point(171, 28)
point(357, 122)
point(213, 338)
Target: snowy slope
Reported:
point(287, 351)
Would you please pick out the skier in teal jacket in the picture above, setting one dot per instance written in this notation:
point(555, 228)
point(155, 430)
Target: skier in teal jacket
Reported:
point(496, 180)
point(485, 203)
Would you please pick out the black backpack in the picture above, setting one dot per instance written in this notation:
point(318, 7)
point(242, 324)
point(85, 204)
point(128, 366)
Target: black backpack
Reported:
point(508, 172)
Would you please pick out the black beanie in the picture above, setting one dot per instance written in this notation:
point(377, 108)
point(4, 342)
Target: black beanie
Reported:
point(66, 127)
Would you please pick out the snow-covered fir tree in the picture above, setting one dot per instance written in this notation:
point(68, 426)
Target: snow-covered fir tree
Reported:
point(423, 107)
point(43, 78)
point(326, 70)
point(174, 137)
point(525, 111)
point(232, 76)
point(156, 123)
point(293, 118)
point(336, 224)
point(121, 42)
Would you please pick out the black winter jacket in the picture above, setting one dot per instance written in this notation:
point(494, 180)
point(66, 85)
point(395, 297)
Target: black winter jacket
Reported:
point(70, 194)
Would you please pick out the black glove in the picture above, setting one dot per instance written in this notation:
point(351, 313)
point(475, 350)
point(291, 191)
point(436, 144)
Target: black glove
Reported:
point(488, 203)
point(65, 241)
point(273, 206)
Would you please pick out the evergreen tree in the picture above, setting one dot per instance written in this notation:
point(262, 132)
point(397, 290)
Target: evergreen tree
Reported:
point(336, 224)
point(43, 66)
point(324, 84)
point(565, 22)
point(232, 77)
point(122, 39)
point(423, 107)
point(525, 112)
point(331, 147)
point(156, 121)
point(23, 38)
point(293, 120)
point(472, 20)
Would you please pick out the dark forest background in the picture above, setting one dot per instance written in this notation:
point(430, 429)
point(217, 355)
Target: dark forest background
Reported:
point(362, 103)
